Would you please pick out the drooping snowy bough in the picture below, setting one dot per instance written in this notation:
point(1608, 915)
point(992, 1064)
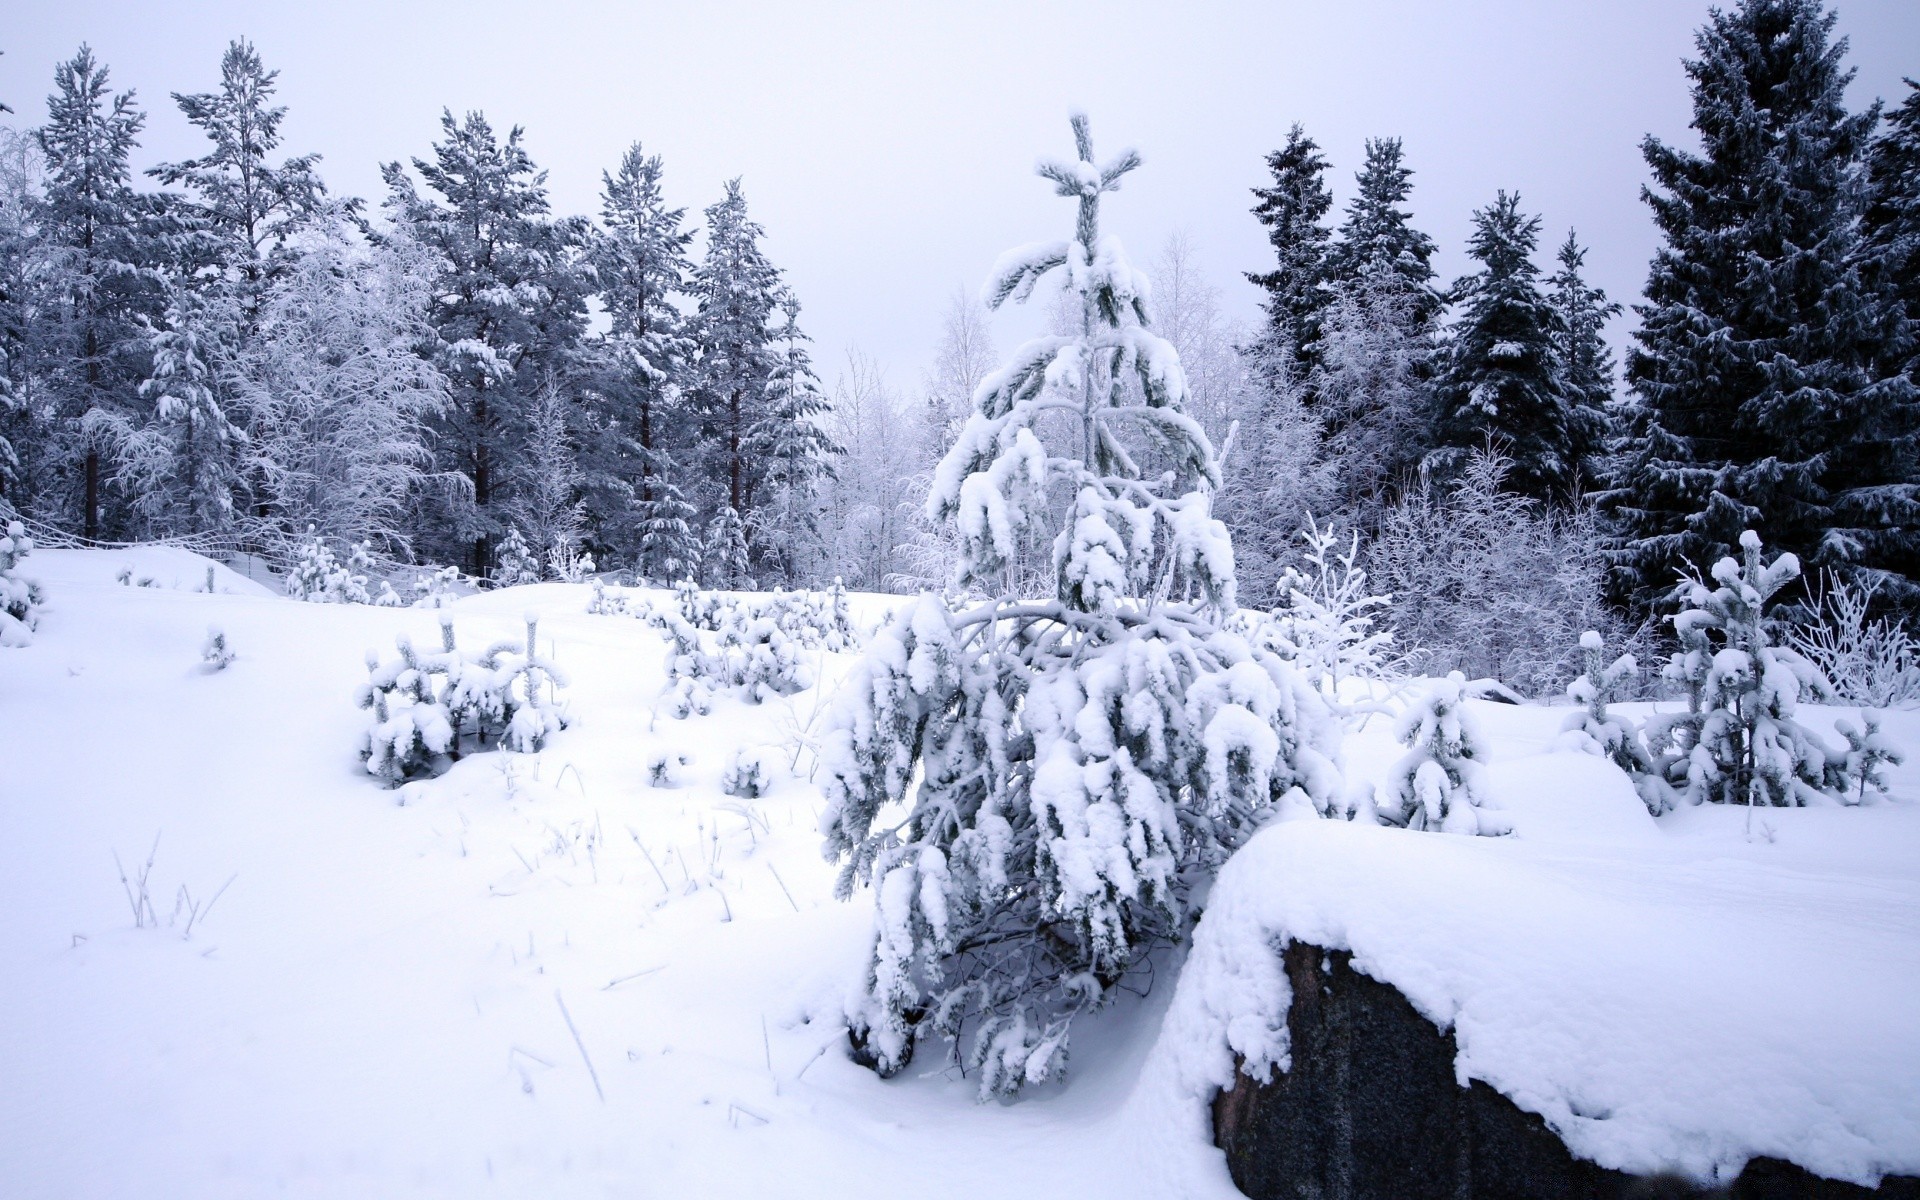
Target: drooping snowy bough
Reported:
point(19, 595)
point(1073, 765)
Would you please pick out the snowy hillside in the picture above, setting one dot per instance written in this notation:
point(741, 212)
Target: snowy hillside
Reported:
point(537, 975)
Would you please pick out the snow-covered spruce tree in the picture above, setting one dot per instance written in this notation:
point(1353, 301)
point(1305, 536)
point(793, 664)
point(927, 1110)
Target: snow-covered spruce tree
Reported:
point(1586, 361)
point(1502, 380)
point(1437, 784)
point(1083, 759)
point(1868, 752)
point(19, 596)
point(183, 465)
point(514, 562)
point(1379, 234)
point(1763, 401)
point(1739, 742)
point(723, 561)
point(1293, 210)
point(799, 454)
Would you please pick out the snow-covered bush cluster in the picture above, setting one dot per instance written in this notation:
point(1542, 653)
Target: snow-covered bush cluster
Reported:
point(752, 656)
point(427, 707)
point(19, 595)
point(1740, 740)
point(1084, 761)
point(318, 576)
point(811, 619)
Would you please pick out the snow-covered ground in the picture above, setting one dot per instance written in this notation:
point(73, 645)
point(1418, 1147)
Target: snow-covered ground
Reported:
point(539, 976)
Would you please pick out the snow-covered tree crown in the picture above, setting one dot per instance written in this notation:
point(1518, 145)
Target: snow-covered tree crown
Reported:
point(1140, 471)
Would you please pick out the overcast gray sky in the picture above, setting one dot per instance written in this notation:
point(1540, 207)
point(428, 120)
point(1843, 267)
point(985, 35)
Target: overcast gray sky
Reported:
point(888, 147)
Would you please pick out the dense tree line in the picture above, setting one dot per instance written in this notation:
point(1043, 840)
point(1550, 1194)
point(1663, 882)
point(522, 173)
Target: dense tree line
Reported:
point(231, 350)
point(1772, 385)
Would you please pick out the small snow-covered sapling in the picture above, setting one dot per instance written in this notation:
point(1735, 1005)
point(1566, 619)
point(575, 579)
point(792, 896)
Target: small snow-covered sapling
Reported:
point(665, 768)
point(215, 652)
point(1437, 784)
point(746, 775)
point(20, 597)
point(1868, 752)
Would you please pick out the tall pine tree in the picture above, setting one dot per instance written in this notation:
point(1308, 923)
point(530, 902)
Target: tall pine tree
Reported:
point(509, 307)
point(1378, 232)
point(738, 291)
point(797, 450)
point(640, 256)
point(1764, 401)
point(1503, 381)
point(92, 220)
point(1586, 361)
point(1294, 210)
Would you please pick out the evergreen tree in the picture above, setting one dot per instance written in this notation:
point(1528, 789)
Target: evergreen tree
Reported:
point(247, 206)
point(1763, 400)
point(91, 220)
point(1503, 380)
point(183, 465)
point(509, 307)
point(1586, 361)
point(738, 290)
point(1075, 765)
point(1373, 394)
point(789, 439)
point(640, 257)
point(1378, 231)
point(723, 560)
point(1293, 211)
point(1893, 218)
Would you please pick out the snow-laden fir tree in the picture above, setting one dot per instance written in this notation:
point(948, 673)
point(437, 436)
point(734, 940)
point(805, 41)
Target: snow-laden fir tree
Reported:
point(509, 305)
point(723, 560)
point(1293, 209)
point(798, 452)
point(1763, 398)
point(19, 595)
point(1378, 233)
point(1074, 763)
point(1586, 361)
point(1372, 391)
point(1438, 784)
point(640, 258)
point(548, 480)
point(100, 278)
point(1503, 381)
point(737, 290)
point(1867, 755)
point(1740, 741)
point(184, 464)
point(514, 562)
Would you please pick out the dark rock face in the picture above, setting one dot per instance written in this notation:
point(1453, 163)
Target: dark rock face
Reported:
point(1370, 1111)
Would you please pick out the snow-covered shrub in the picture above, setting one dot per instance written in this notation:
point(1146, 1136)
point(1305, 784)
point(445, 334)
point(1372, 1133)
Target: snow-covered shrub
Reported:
point(436, 588)
point(665, 768)
point(1593, 729)
point(1326, 624)
point(428, 707)
point(758, 658)
point(1082, 761)
point(19, 595)
point(215, 652)
point(1868, 750)
point(513, 562)
point(1871, 661)
point(1492, 584)
point(746, 775)
point(1738, 741)
point(319, 577)
point(608, 603)
point(1437, 784)
point(567, 564)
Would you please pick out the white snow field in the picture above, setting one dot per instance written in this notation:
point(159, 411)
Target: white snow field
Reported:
point(538, 976)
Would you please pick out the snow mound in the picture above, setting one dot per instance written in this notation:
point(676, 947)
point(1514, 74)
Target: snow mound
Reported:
point(1683, 996)
point(166, 567)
